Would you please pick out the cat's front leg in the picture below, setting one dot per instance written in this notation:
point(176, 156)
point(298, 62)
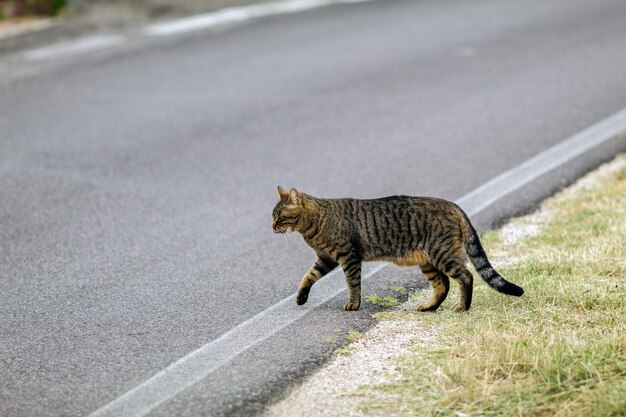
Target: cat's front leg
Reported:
point(321, 267)
point(352, 269)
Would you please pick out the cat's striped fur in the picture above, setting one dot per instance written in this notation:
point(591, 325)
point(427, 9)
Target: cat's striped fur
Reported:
point(428, 232)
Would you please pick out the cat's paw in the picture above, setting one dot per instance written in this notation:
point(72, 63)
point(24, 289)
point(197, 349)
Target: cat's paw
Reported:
point(352, 306)
point(459, 308)
point(302, 296)
point(427, 307)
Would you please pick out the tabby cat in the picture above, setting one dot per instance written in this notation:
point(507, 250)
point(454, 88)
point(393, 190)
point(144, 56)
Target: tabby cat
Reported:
point(428, 232)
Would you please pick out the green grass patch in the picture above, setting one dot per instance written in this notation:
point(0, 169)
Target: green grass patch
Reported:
point(384, 302)
point(345, 350)
point(397, 288)
point(560, 350)
point(353, 335)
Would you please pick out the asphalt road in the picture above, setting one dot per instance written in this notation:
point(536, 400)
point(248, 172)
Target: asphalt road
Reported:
point(136, 185)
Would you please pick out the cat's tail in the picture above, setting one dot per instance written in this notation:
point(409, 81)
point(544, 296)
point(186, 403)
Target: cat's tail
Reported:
point(477, 255)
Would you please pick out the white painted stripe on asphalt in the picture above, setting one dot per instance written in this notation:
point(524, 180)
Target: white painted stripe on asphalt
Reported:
point(202, 362)
point(90, 43)
point(237, 14)
point(203, 21)
point(509, 181)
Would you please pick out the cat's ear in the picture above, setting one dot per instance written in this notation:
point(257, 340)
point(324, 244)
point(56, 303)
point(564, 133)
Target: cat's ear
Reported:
point(282, 193)
point(295, 198)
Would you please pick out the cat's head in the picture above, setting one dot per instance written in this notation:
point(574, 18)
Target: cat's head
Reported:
point(287, 211)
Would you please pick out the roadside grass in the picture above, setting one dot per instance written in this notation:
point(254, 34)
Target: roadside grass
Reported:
point(560, 350)
point(384, 302)
point(348, 350)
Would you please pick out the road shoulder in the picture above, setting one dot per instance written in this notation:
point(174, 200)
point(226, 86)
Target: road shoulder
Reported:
point(397, 367)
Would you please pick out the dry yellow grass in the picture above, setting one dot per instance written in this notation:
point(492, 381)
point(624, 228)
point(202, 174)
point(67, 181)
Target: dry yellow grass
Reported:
point(560, 350)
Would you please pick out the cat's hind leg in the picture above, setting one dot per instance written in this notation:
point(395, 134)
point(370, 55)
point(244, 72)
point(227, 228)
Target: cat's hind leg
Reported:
point(321, 267)
point(440, 285)
point(457, 271)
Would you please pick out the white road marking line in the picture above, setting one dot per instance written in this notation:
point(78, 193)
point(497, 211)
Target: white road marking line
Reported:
point(203, 21)
point(82, 45)
point(237, 14)
point(202, 362)
point(509, 181)
point(26, 26)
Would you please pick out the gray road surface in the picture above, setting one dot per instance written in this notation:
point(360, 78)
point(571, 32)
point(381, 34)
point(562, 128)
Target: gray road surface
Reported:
point(136, 185)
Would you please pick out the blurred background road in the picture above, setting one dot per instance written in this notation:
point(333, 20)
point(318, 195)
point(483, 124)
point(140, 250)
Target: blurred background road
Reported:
point(137, 183)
